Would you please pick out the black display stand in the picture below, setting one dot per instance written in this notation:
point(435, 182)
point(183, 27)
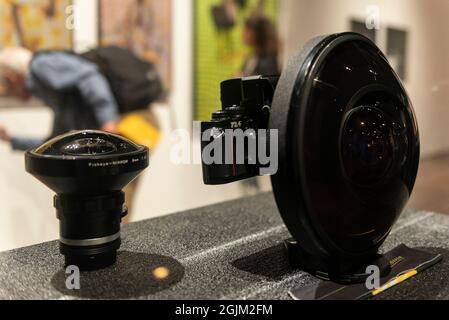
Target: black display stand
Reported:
point(202, 264)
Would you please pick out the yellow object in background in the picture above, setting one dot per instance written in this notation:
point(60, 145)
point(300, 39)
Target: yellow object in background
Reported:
point(137, 129)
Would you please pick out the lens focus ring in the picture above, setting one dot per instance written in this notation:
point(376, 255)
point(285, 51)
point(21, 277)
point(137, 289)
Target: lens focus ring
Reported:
point(64, 203)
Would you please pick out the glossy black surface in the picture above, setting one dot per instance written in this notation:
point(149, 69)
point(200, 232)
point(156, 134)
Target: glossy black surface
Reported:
point(86, 143)
point(372, 145)
point(88, 147)
point(359, 147)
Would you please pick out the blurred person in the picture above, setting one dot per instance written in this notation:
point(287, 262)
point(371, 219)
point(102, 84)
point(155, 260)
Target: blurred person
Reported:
point(77, 92)
point(74, 89)
point(260, 35)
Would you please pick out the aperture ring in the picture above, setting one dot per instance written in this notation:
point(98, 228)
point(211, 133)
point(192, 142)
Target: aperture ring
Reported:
point(89, 204)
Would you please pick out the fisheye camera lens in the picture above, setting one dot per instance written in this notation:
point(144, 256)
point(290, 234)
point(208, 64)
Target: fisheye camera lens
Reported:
point(88, 170)
point(348, 148)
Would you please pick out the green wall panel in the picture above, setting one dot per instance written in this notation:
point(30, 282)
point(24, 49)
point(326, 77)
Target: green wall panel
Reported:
point(219, 55)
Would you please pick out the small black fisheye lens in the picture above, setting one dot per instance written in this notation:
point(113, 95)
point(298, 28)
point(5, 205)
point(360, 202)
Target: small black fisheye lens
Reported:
point(88, 170)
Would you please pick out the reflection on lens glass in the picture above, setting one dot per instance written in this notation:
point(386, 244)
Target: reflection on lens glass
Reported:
point(367, 146)
point(88, 147)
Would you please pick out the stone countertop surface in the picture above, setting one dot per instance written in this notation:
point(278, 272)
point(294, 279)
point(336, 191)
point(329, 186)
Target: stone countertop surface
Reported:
point(227, 251)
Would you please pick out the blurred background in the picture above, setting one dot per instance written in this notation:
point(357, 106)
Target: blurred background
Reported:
point(193, 45)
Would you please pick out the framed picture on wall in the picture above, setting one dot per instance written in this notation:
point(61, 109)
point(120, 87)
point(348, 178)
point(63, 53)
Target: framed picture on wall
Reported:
point(397, 50)
point(35, 24)
point(360, 27)
point(143, 26)
point(220, 50)
point(392, 41)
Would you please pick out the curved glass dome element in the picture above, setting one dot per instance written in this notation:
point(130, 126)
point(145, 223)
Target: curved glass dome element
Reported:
point(372, 146)
point(89, 147)
point(87, 162)
point(351, 152)
point(87, 143)
point(358, 160)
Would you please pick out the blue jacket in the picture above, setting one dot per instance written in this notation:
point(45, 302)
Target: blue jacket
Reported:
point(74, 89)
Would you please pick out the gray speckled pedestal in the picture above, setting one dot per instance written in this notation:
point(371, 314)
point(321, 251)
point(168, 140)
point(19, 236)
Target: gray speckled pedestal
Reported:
point(227, 251)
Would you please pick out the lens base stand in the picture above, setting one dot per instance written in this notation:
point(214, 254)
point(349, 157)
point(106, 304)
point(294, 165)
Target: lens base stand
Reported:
point(90, 259)
point(338, 272)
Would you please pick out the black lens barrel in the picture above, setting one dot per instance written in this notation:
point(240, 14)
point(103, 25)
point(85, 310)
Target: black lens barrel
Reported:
point(90, 228)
